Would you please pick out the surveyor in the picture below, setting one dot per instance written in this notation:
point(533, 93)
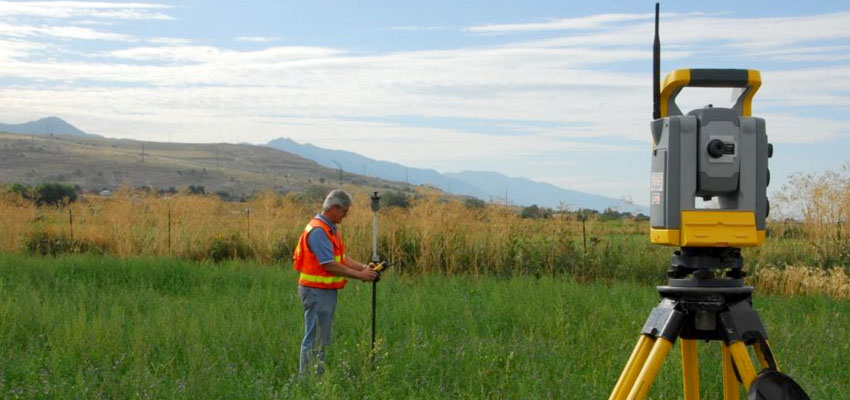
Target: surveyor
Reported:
point(320, 257)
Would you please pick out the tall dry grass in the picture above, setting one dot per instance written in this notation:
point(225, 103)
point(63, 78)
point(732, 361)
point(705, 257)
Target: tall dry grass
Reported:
point(822, 203)
point(803, 280)
point(132, 223)
point(433, 235)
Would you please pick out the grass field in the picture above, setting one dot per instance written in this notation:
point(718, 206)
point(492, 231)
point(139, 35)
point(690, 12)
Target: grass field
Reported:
point(431, 236)
point(102, 327)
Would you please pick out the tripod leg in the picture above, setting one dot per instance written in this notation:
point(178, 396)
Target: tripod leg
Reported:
point(650, 368)
point(743, 363)
point(760, 356)
point(690, 369)
point(731, 389)
point(633, 366)
point(765, 355)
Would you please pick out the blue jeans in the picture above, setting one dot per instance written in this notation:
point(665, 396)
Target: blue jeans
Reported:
point(319, 306)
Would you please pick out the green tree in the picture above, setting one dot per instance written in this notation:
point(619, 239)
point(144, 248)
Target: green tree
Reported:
point(533, 211)
point(395, 199)
point(23, 190)
point(474, 203)
point(54, 194)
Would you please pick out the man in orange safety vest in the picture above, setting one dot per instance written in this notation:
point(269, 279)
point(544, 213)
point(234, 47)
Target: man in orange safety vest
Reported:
point(320, 259)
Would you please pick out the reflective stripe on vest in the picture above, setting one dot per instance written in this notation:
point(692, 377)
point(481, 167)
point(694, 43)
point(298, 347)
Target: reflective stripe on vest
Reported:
point(320, 279)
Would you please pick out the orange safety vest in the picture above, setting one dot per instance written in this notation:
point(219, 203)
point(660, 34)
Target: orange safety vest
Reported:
point(314, 274)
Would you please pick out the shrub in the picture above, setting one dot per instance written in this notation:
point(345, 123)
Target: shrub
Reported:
point(166, 191)
point(283, 248)
point(198, 190)
point(395, 199)
point(223, 195)
point(229, 247)
point(474, 203)
point(43, 243)
point(54, 194)
point(533, 211)
point(611, 214)
point(22, 190)
point(314, 194)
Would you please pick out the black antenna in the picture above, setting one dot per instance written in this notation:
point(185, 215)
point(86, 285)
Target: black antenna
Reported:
point(656, 71)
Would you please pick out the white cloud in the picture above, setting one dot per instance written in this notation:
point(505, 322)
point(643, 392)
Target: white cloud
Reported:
point(414, 28)
point(591, 22)
point(257, 39)
point(213, 57)
point(62, 32)
point(581, 23)
point(784, 128)
point(83, 9)
point(743, 34)
point(170, 41)
point(559, 94)
point(807, 53)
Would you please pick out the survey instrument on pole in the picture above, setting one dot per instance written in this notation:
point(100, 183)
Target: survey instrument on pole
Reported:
point(379, 266)
point(719, 155)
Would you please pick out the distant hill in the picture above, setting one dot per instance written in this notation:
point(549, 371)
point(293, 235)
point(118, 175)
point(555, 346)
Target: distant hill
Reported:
point(45, 126)
point(489, 186)
point(235, 170)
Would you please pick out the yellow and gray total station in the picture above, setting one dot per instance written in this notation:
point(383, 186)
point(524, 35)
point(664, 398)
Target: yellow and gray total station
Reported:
point(715, 154)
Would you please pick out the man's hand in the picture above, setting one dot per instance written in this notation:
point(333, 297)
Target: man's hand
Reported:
point(368, 274)
point(365, 274)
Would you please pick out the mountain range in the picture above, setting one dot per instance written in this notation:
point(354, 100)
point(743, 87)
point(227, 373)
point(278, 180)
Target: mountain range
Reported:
point(488, 186)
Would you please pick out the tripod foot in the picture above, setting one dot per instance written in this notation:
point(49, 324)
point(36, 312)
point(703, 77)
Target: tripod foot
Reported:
point(774, 385)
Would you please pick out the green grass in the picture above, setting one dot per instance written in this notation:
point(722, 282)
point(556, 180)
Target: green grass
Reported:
point(100, 327)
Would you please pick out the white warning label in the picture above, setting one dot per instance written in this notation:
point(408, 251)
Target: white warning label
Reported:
point(655, 199)
point(656, 182)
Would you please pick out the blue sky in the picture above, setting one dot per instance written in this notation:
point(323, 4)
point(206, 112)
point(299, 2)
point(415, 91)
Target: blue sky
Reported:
point(553, 91)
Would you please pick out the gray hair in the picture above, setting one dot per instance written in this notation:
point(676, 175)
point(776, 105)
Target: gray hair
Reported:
point(337, 197)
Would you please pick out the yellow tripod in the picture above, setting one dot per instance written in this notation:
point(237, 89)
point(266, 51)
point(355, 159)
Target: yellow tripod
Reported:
point(713, 309)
